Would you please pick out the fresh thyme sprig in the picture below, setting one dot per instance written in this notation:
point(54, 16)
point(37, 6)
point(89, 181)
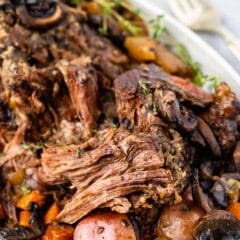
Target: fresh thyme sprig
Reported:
point(33, 147)
point(108, 9)
point(79, 152)
point(76, 1)
point(115, 126)
point(199, 78)
point(158, 27)
point(144, 85)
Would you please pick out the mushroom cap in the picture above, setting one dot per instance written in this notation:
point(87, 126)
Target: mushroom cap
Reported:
point(41, 20)
point(218, 224)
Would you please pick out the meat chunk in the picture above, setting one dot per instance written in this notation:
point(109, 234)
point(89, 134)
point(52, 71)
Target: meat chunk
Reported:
point(145, 156)
point(148, 80)
point(222, 115)
point(81, 80)
point(121, 165)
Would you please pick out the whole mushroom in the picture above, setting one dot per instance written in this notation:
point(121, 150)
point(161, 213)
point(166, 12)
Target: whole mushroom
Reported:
point(218, 224)
point(40, 15)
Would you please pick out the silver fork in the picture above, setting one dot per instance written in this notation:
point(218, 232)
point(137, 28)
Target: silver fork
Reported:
point(200, 16)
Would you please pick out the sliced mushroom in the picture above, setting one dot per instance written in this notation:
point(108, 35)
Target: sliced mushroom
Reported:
point(41, 19)
point(200, 197)
point(209, 137)
point(34, 231)
point(218, 224)
point(236, 157)
point(170, 109)
point(226, 189)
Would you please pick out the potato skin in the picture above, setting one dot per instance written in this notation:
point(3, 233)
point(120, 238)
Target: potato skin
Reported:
point(105, 225)
point(177, 221)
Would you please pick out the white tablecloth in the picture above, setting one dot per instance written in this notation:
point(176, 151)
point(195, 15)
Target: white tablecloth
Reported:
point(230, 12)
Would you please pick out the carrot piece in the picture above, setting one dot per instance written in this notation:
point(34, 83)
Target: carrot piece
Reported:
point(24, 218)
point(34, 196)
point(234, 209)
point(51, 214)
point(58, 232)
point(2, 213)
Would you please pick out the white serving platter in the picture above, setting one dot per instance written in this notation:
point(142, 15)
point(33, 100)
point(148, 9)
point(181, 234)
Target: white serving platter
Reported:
point(211, 62)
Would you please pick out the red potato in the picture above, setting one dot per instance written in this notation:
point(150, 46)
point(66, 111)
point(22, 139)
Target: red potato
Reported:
point(105, 225)
point(177, 221)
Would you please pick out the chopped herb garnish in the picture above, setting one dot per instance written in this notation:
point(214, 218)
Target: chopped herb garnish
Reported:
point(76, 1)
point(25, 189)
point(107, 7)
point(109, 10)
point(144, 85)
point(136, 11)
point(131, 28)
point(33, 147)
point(94, 130)
point(199, 78)
point(26, 147)
point(158, 27)
point(154, 108)
point(79, 152)
point(114, 126)
point(102, 31)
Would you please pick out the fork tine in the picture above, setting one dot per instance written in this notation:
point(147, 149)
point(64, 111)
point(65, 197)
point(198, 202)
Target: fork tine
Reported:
point(197, 4)
point(177, 9)
point(186, 6)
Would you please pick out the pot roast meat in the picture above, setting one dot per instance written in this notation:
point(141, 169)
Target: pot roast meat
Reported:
point(146, 78)
point(221, 116)
point(122, 164)
point(82, 83)
point(170, 109)
point(111, 60)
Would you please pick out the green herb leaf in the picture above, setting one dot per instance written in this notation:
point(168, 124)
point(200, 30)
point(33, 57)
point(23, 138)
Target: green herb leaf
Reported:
point(107, 7)
point(76, 1)
point(144, 85)
point(114, 126)
point(102, 32)
point(94, 131)
point(118, 2)
point(79, 152)
point(26, 147)
point(158, 26)
point(154, 108)
point(25, 189)
point(131, 28)
point(199, 78)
